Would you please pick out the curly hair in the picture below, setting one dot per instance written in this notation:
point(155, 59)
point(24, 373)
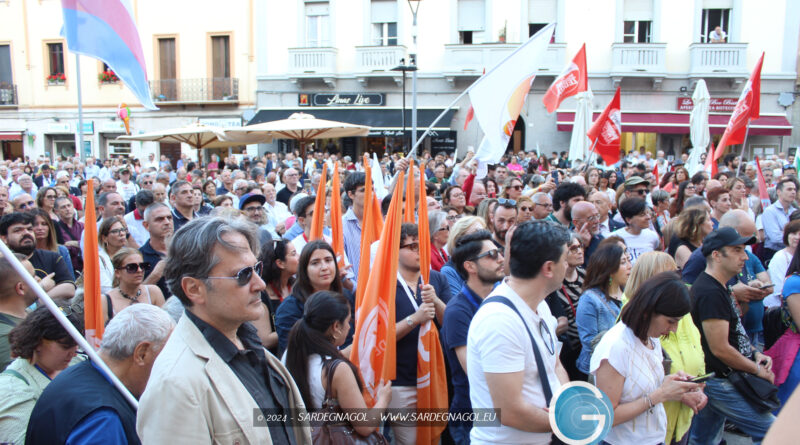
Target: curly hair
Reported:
point(42, 325)
point(689, 224)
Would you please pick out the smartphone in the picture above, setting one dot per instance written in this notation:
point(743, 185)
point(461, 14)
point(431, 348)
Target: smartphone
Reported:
point(703, 378)
point(555, 177)
point(767, 286)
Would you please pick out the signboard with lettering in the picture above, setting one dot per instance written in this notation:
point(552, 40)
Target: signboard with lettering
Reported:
point(716, 104)
point(341, 99)
point(88, 127)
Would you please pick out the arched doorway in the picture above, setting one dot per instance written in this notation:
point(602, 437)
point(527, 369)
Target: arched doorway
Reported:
point(517, 141)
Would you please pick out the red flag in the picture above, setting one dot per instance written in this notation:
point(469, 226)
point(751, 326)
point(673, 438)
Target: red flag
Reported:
point(337, 232)
point(606, 130)
point(762, 187)
point(571, 81)
point(318, 221)
point(747, 108)
point(655, 175)
point(711, 163)
point(374, 344)
point(408, 213)
point(92, 312)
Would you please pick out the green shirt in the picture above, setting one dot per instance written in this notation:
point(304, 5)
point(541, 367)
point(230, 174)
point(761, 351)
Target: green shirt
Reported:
point(5, 328)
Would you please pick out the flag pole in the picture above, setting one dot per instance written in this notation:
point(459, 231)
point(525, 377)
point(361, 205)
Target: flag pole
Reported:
point(744, 144)
point(592, 153)
point(79, 130)
point(64, 321)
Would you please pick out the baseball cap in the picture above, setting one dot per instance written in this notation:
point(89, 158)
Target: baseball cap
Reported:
point(250, 197)
point(635, 180)
point(725, 236)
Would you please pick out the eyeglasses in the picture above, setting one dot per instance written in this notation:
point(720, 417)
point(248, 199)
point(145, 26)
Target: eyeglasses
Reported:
point(26, 205)
point(575, 249)
point(507, 202)
point(454, 218)
point(516, 187)
point(548, 342)
point(254, 209)
point(244, 275)
point(640, 192)
point(414, 247)
point(547, 206)
point(593, 218)
point(492, 253)
point(526, 209)
point(71, 309)
point(135, 267)
point(118, 231)
point(445, 228)
point(49, 196)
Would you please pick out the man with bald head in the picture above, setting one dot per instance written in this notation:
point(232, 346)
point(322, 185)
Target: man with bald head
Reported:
point(603, 205)
point(108, 186)
point(23, 202)
point(586, 224)
point(291, 180)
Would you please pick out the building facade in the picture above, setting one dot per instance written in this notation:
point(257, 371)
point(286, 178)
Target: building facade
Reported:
point(335, 59)
point(200, 59)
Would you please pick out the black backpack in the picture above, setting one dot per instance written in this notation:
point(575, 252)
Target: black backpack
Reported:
point(774, 326)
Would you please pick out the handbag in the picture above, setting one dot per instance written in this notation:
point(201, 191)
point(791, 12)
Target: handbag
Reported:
point(339, 433)
point(760, 393)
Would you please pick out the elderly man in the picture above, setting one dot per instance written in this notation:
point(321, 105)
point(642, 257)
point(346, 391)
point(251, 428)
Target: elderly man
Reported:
point(22, 202)
point(182, 200)
point(81, 405)
point(158, 223)
point(542, 206)
point(4, 205)
point(603, 205)
point(277, 212)
point(108, 186)
point(586, 224)
point(252, 205)
point(213, 375)
point(24, 184)
point(291, 181)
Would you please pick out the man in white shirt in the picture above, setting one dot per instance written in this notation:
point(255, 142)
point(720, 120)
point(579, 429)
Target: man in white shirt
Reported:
point(637, 234)
point(501, 364)
point(135, 218)
point(277, 212)
point(717, 36)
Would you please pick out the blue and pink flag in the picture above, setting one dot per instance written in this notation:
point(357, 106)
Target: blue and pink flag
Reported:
point(105, 30)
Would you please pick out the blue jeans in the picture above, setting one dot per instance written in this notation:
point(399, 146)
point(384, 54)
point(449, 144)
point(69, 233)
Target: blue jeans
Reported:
point(725, 402)
point(757, 340)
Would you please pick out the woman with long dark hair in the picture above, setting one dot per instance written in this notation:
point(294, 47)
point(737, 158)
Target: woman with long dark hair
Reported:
point(313, 352)
point(280, 261)
point(685, 190)
point(690, 228)
point(600, 303)
point(316, 271)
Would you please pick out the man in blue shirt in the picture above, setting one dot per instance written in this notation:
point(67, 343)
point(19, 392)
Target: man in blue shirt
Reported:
point(81, 405)
point(480, 263)
point(777, 215)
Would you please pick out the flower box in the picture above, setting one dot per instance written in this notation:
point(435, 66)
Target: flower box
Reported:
point(56, 79)
point(108, 77)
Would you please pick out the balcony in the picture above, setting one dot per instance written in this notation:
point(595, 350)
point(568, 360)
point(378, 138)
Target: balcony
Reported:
point(472, 60)
point(719, 60)
point(8, 95)
point(310, 63)
point(378, 61)
point(217, 90)
point(639, 60)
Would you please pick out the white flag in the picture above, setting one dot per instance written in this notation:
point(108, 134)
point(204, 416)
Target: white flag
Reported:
point(498, 96)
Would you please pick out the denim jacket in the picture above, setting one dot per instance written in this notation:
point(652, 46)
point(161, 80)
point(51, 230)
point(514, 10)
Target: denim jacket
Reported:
point(595, 314)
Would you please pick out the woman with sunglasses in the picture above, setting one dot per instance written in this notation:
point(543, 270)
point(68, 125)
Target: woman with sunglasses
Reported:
point(524, 209)
point(455, 198)
point(43, 349)
point(513, 188)
point(440, 231)
point(280, 261)
point(46, 200)
point(129, 270)
point(316, 271)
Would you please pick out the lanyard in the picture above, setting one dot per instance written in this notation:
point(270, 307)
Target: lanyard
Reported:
point(408, 291)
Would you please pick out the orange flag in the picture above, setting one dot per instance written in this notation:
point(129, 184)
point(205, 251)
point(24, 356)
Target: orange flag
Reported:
point(374, 342)
point(92, 312)
point(431, 373)
point(319, 207)
point(368, 234)
point(408, 214)
point(337, 233)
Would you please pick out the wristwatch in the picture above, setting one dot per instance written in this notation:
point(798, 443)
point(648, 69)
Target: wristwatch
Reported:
point(410, 321)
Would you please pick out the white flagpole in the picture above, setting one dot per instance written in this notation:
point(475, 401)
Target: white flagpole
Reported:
point(79, 130)
point(59, 314)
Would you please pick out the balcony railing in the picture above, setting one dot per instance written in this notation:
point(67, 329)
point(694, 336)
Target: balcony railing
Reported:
point(217, 89)
point(473, 59)
point(378, 58)
point(638, 59)
point(718, 59)
point(312, 61)
point(8, 94)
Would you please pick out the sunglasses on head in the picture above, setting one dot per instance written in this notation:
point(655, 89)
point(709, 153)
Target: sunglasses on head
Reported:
point(244, 275)
point(135, 267)
point(507, 202)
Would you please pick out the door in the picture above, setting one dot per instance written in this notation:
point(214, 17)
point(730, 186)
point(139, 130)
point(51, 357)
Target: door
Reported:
point(172, 151)
point(220, 67)
point(167, 85)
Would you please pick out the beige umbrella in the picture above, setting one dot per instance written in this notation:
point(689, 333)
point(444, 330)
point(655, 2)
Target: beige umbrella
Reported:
point(200, 136)
point(303, 128)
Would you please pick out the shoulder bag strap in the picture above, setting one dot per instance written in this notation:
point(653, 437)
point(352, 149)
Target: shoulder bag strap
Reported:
point(330, 366)
point(548, 392)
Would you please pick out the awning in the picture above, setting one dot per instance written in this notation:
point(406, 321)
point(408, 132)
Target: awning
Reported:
point(678, 123)
point(381, 120)
point(10, 136)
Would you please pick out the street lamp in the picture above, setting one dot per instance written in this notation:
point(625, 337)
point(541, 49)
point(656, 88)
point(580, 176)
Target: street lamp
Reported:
point(403, 67)
point(414, 5)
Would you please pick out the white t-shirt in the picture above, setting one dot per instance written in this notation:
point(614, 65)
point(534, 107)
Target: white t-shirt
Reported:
point(497, 342)
point(643, 372)
point(646, 241)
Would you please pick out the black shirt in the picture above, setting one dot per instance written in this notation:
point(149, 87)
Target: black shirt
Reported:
point(46, 262)
point(250, 365)
point(712, 300)
point(285, 195)
point(152, 257)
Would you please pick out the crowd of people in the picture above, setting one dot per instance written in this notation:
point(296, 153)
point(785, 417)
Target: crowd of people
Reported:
point(638, 277)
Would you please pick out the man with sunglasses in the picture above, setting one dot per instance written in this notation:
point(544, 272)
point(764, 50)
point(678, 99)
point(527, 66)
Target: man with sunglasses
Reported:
point(478, 261)
point(23, 202)
point(586, 225)
point(542, 206)
point(415, 304)
point(213, 376)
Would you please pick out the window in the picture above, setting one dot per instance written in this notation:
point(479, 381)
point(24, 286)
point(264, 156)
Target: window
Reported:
point(317, 24)
point(166, 88)
point(220, 66)
point(471, 19)
point(713, 18)
point(6, 77)
point(637, 21)
point(55, 55)
point(540, 14)
point(384, 22)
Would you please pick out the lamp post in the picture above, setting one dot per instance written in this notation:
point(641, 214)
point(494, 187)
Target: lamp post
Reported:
point(403, 67)
point(414, 5)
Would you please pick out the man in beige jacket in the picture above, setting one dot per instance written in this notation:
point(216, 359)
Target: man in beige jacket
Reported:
point(213, 380)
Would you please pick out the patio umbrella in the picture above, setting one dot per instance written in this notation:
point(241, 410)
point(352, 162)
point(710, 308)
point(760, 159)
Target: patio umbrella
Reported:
point(200, 136)
point(303, 128)
point(698, 127)
point(579, 144)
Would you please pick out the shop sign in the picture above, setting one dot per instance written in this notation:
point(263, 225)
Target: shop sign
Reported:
point(716, 104)
point(116, 126)
point(222, 122)
point(59, 127)
point(88, 127)
point(341, 99)
point(444, 141)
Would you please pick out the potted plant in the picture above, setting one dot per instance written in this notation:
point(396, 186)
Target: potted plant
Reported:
point(501, 36)
point(56, 79)
point(108, 77)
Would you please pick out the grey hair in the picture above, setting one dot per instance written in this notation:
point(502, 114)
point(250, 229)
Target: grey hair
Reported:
point(435, 220)
point(538, 196)
point(133, 325)
point(191, 251)
point(144, 176)
point(659, 195)
point(239, 183)
point(154, 206)
point(537, 180)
